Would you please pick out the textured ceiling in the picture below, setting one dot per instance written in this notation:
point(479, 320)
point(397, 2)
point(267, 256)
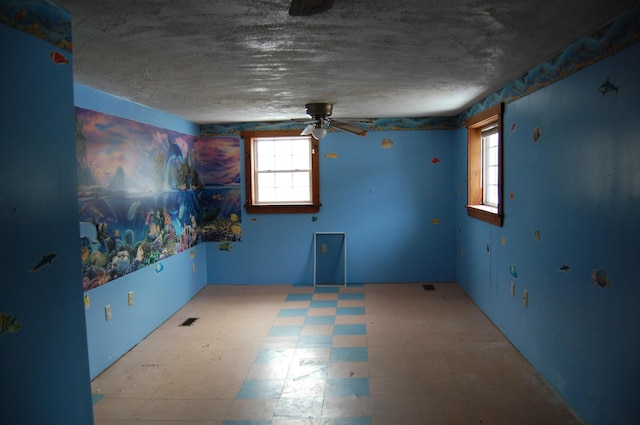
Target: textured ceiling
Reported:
point(231, 61)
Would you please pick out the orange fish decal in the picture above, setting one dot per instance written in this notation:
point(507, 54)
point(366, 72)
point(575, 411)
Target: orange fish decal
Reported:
point(58, 58)
point(435, 160)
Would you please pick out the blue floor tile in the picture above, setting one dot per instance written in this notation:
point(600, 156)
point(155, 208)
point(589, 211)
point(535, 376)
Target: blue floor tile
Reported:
point(347, 387)
point(260, 389)
point(299, 297)
point(349, 354)
point(292, 330)
point(352, 329)
point(293, 312)
point(350, 311)
point(351, 296)
point(361, 420)
point(320, 320)
point(274, 355)
point(324, 304)
point(314, 341)
point(327, 289)
point(96, 398)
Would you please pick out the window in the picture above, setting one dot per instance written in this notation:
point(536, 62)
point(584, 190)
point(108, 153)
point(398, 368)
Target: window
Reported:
point(484, 167)
point(281, 172)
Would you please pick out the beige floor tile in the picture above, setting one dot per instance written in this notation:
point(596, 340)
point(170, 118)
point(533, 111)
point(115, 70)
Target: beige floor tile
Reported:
point(433, 358)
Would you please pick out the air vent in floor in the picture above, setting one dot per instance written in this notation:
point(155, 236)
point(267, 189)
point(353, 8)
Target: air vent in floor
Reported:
point(429, 287)
point(189, 321)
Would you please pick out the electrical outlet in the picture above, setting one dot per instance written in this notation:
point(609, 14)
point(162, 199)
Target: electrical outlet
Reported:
point(107, 312)
point(130, 297)
point(525, 298)
point(513, 289)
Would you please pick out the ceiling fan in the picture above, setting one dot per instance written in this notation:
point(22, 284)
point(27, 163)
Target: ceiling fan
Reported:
point(320, 112)
point(309, 7)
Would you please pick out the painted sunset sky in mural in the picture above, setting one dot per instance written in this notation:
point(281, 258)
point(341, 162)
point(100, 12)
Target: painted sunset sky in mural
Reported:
point(146, 193)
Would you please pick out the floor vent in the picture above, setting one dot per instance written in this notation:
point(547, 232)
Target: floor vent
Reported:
point(429, 287)
point(189, 321)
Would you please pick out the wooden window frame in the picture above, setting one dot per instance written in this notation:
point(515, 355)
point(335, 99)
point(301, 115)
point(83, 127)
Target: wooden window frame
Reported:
point(475, 205)
point(250, 205)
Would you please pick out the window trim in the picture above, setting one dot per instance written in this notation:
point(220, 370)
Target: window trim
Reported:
point(253, 208)
point(475, 206)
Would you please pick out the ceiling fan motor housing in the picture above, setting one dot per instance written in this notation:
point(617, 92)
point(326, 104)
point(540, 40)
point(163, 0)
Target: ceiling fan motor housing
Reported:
point(319, 110)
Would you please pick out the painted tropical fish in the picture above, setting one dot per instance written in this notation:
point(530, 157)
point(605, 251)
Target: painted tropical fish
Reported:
point(45, 260)
point(225, 246)
point(513, 271)
point(564, 268)
point(9, 324)
point(331, 155)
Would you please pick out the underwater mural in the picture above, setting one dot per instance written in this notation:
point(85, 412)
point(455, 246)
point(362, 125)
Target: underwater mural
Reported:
point(147, 193)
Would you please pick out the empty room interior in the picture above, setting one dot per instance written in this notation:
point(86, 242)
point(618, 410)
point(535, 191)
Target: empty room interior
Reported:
point(320, 212)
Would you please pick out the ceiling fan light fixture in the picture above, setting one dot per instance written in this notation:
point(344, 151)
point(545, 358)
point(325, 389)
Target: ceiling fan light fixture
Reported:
point(308, 130)
point(318, 132)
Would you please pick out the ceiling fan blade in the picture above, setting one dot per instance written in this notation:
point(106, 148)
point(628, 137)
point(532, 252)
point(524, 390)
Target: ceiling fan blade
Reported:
point(351, 128)
point(309, 7)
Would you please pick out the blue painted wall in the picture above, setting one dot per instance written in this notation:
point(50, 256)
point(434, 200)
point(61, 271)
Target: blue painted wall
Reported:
point(384, 199)
point(157, 295)
point(45, 368)
point(579, 186)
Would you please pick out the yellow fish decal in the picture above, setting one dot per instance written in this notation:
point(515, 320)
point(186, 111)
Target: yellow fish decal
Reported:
point(331, 155)
point(225, 246)
point(435, 221)
point(9, 324)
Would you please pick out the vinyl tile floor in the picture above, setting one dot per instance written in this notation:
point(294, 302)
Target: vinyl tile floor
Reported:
point(379, 354)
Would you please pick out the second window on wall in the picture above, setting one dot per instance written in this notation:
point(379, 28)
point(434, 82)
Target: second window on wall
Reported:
point(484, 166)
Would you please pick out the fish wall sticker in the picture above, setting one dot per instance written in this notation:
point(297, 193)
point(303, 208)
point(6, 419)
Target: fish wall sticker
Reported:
point(58, 58)
point(386, 143)
point(45, 260)
point(536, 134)
point(600, 278)
point(513, 271)
point(225, 246)
point(9, 324)
point(608, 87)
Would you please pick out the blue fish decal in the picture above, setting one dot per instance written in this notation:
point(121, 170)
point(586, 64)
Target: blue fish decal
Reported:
point(159, 267)
point(564, 268)
point(45, 260)
point(513, 271)
point(608, 87)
